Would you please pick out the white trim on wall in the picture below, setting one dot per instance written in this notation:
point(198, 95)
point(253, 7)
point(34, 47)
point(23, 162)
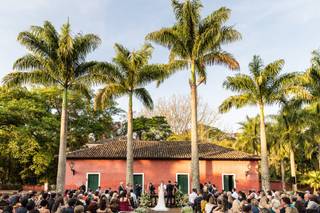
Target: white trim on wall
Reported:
point(188, 179)
point(234, 179)
point(93, 173)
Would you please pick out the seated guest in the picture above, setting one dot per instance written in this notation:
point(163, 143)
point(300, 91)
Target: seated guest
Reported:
point(124, 203)
point(192, 197)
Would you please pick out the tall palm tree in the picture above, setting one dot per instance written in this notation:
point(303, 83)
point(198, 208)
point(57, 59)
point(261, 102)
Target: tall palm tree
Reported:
point(264, 85)
point(195, 43)
point(311, 81)
point(130, 73)
point(55, 59)
point(291, 125)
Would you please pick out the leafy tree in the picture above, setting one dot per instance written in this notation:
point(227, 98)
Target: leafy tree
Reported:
point(130, 72)
point(264, 85)
point(55, 59)
point(195, 43)
point(28, 136)
point(155, 128)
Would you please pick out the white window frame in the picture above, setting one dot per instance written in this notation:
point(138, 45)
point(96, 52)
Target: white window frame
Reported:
point(93, 173)
point(142, 179)
point(188, 179)
point(234, 179)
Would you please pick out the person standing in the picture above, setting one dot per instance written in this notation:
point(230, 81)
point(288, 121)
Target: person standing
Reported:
point(121, 188)
point(169, 190)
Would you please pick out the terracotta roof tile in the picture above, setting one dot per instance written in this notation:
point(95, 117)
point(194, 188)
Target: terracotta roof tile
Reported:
point(159, 150)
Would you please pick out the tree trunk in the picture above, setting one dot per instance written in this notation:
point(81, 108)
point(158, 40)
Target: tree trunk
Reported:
point(63, 143)
point(194, 132)
point(265, 178)
point(283, 182)
point(293, 170)
point(129, 175)
point(319, 156)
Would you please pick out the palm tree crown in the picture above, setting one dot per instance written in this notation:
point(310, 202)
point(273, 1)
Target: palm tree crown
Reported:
point(264, 85)
point(54, 58)
point(129, 73)
point(193, 41)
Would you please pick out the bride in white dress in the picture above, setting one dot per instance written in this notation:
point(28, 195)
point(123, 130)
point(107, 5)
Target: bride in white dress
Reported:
point(161, 205)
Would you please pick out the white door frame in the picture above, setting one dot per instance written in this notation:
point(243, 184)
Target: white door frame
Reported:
point(93, 173)
point(188, 179)
point(234, 179)
point(142, 179)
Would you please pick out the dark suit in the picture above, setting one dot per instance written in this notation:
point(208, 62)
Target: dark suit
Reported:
point(169, 190)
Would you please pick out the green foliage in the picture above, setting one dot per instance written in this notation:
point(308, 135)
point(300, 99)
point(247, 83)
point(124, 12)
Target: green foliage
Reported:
point(155, 128)
point(312, 179)
point(181, 199)
point(187, 209)
point(196, 41)
point(142, 210)
point(127, 75)
point(29, 130)
point(145, 200)
point(28, 135)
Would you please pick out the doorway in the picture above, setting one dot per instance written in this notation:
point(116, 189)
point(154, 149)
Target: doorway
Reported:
point(183, 182)
point(93, 181)
point(228, 182)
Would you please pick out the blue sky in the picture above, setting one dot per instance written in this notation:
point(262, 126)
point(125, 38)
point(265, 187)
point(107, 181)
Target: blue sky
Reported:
point(273, 29)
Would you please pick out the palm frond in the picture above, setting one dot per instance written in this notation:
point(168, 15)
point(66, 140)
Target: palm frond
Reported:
point(34, 77)
point(144, 96)
point(236, 101)
point(240, 83)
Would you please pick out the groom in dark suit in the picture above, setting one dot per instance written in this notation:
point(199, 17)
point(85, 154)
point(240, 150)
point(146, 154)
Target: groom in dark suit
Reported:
point(169, 191)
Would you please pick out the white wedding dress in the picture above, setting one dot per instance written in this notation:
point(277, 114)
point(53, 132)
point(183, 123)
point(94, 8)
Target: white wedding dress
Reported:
point(161, 205)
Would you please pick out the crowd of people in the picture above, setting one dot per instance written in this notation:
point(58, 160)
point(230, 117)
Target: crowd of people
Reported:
point(125, 199)
point(210, 200)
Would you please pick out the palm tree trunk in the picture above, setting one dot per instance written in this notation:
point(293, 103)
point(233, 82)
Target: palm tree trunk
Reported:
point(63, 143)
point(129, 175)
point(283, 182)
point(293, 170)
point(194, 132)
point(265, 178)
point(319, 156)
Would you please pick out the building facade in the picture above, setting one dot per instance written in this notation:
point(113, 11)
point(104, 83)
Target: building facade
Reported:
point(155, 161)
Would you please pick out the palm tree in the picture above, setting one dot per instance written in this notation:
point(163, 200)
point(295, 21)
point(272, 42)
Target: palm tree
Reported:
point(311, 81)
point(248, 138)
point(55, 59)
point(263, 86)
point(130, 73)
point(312, 178)
point(195, 43)
point(291, 125)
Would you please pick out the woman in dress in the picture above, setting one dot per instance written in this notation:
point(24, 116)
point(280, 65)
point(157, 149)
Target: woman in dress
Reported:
point(161, 206)
point(124, 202)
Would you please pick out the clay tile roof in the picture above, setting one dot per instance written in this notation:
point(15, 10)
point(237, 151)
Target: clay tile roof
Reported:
point(159, 150)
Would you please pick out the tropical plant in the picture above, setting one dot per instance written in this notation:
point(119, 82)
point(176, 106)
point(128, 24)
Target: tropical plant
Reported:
point(312, 179)
point(248, 138)
point(130, 73)
point(195, 43)
point(264, 85)
point(311, 81)
point(55, 59)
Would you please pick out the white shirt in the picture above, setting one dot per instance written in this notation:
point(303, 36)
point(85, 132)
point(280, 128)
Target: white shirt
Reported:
point(192, 196)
